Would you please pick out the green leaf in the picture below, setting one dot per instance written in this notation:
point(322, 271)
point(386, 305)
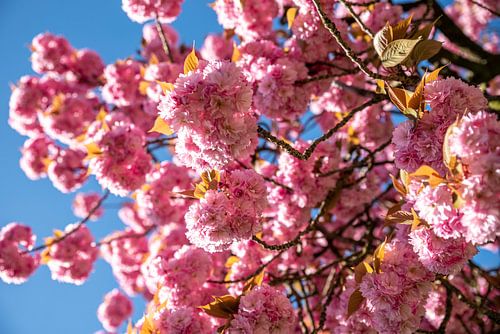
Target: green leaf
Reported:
point(397, 51)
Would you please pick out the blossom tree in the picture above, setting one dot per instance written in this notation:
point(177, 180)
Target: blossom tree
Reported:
point(333, 167)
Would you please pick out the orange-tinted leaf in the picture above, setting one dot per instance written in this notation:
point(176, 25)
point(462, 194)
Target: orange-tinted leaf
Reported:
point(236, 53)
point(290, 16)
point(254, 281)
point(429, 174)
point(399, 30)
point(93, 151)
point(222, 307)
point(191, 62)
point(398, 186)
point(165, 86)
point(400, 97)
point(378, 256)
point(143, 87)
point(355, 301)
point(162, 127)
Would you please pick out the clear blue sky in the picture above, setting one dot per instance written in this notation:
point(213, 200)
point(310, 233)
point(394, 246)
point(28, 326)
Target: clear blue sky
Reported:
point(42, 305)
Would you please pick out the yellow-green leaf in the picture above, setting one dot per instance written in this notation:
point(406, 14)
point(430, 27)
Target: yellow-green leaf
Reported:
point(191, 62)
point(355, 301)
point(397, 51)
point(290, 16)
point(161, 126)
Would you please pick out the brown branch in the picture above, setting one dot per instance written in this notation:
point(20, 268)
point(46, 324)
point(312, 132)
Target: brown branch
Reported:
point(164, 41)
point(356, 17)
point(76, 228)
point(263, 133)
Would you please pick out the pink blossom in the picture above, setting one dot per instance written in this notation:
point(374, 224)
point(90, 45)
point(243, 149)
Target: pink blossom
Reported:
point(51, 53)
point(222, 217)
point(252, 20)
point(216, 47)
point(263, 310)
point(114, 310)
point(36, 155)
point(66, 170)
point(84, 203)
point(442, 256)
point(144, 10)
point(209, 110)
point(152, 44)
point(122, 83)
point(15, 264)
point(181, 321)
point(71, 259)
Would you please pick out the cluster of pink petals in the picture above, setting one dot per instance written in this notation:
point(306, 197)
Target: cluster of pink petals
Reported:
point(252, 20)
point(441, 256)
point(209, 109)
point(275, 76)
point(84, 203)
point(16, 265)
point(229, 214)
point(216, 47)
point(422, 144)
point(182, 320)
point(395, 297)
point(158, 202)
point(66, 170)
point(181, 277)
point(122, 83)
point(114, 310)
point(55, 54)
point(36, 154)
point(125, 252)
point(475, 141)
point(141, 11)
point(264, 310)
point(71, 259)
point(123, 162)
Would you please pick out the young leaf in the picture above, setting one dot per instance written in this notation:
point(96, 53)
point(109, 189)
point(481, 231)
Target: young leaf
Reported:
point(429, 174)
point(397, 51)
point(416, 220)
point(378, 256)
point(236, 53)
point(361, 270)
point(398, 186)
point(382, 38)
point(253, 282)
point(191, 62)
point(425, 50)
point(400, 97)
point(290, 16)
point(143, 87)
point(165, 86)
point(425, 31)
point(93, 151)
point(355, 301)
point(416, 99)
point(222, 307)
point(162, 127)
point(399, 217)
point(399, 30)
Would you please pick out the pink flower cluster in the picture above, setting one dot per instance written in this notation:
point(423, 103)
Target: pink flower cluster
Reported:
point(141, 11)
point(125, 251)
point(71, 259)
point(229, 214)
point(251, 20)
point(83, 204)
point(422, 144)
point(53, 53)
point(395, 297)
point(157, 202)
point(264, 310)
point(182, 320)
point(209, 109)
point(114, 310)
point(15, 264)
point(122, 162)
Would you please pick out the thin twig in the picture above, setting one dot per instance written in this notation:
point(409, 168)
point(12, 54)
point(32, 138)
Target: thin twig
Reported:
point(164, 41)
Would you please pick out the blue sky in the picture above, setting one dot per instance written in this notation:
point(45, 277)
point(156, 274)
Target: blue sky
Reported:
point(42, 305)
